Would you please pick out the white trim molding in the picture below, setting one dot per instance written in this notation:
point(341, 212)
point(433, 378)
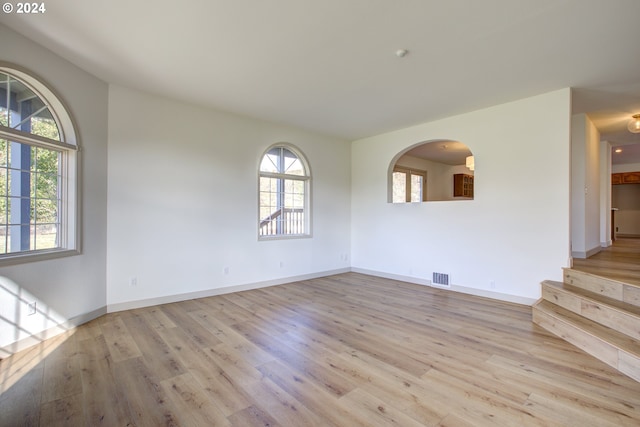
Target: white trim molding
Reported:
point(129, 305)
point(455, 288)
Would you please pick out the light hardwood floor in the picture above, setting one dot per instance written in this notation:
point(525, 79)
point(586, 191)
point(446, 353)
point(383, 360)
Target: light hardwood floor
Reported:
point(346, 350)
point(621, 261)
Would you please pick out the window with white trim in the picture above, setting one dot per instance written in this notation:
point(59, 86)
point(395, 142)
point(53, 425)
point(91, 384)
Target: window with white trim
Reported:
point(409, 185)
point(37, 170)
point(284, 193)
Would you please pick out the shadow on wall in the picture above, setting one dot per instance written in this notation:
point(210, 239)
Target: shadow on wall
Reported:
point(24, 318)
point(432, 171)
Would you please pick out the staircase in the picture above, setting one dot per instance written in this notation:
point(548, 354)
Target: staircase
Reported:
point(599, 315)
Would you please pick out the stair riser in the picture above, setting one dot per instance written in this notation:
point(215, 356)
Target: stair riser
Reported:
point(594, 284)
point(629, 365)
point(588, 343)
point(600, 285)
point(620, 321)
point(631, 295)
point(616, 320)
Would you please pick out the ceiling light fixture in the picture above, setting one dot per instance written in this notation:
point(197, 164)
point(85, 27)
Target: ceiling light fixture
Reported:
point(618, 150)
point(401, 53)
point(470, 162)
point(634, 124)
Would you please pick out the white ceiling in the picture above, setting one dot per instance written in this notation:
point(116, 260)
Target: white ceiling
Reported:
point(330, 65)
point(447, 152)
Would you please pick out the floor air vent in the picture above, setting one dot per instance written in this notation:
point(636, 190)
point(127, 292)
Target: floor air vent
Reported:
point(440, 279)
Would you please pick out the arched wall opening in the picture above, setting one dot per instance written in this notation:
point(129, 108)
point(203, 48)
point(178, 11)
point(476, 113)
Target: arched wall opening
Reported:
point(434, 170)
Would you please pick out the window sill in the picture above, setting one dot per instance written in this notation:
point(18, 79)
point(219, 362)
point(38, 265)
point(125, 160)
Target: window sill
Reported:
point(35, 256)
point(284, 237)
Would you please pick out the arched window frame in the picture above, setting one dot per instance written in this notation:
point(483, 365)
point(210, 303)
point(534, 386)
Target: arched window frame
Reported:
point(67, 240)
point(273, 221)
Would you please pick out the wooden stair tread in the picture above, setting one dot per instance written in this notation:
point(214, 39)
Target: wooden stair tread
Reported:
point(620, 282)
point(596, 298)
point(619, 340)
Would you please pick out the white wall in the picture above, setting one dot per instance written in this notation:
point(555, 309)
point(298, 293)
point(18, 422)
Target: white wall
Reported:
point(626, 167)
point(626, 197)
point(592, 201)
point(605, 194)
point(183, 202)
point(67, 290)
point(585, 187)
point(514, 234)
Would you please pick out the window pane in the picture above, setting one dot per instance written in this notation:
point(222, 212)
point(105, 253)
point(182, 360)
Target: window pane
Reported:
point(46, 186)
point(3, 239)
point(399, 187)
point(416, 188)
point(23, 110)
point(4, 182)
point(44, 211)
point(44, 125)
point(19, 238)
point(17, 212)
point(292, 164)
point(4, 152)
point(45, 236)
point(4, 115)
point(269, 163)
point(4, 213)
point(294, 194)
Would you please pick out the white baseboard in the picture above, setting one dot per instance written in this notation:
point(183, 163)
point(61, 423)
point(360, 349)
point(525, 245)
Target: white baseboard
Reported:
point(392, 276)
point(587, 254)
point(32, 340)
point(455, 288)
point(129, 305)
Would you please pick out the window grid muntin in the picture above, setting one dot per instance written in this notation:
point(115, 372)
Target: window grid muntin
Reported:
point(38, 238)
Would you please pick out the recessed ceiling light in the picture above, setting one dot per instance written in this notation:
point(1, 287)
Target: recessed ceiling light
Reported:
point(401, 53)
point(618, 150)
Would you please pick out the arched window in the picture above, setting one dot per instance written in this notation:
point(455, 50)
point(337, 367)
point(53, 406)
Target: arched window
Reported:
point(284, 193)
point(37, 170)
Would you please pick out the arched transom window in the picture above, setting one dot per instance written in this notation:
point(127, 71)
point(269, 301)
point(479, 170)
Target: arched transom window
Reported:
point(284, 193)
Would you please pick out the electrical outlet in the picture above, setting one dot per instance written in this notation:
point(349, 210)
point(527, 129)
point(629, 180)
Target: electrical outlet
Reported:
point(492, 284)
point(281, 264)
point(31, 309)
point(225, 271)
point(133, 281)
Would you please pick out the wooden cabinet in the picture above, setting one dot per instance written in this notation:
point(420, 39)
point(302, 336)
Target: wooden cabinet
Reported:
point(462, 185)
point(631, 178)
point(616, 178)
point(625, 178)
